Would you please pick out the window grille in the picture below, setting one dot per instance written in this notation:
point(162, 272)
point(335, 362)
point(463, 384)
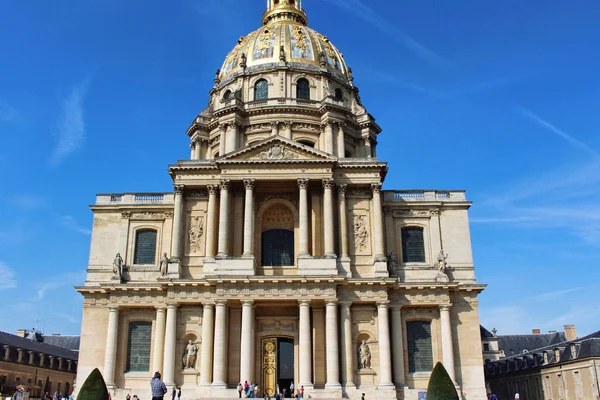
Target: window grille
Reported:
point(420, 351)
point(261, 90)
point(145, 247)
point(303, 89)
point(138, 346)
point(413, 247)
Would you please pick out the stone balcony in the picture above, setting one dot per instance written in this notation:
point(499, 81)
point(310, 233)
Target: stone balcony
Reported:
point(425, 196)
point(117, 199)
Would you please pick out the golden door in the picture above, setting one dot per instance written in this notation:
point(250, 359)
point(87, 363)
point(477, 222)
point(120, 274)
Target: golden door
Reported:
point(269, 366)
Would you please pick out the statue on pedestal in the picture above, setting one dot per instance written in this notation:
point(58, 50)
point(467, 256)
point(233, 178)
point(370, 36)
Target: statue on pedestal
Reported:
point(442, 262)
point(119, 268)
point(364, 356)
point(189, 356)
point(164, 264)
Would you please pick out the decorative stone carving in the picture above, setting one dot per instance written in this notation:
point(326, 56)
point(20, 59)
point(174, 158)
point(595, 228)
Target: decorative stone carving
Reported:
point(392, 261)
point(196, 193)
point(364, 356)
point(376, 187)
point(341, 189)
point(442, 261)
point(196, 232)
point(148, 215)
point(164, 264)
point(119, 268)
point(249, 183)
point(276, 152)
point(258, 127)
point(306, 127)
point(361, 233)
point(212, 189)
point(179, 189)
point(328, 183)
point(189, 356)
point(225, 184)
point(302, 183)
point(411, 213)
point(360, 192)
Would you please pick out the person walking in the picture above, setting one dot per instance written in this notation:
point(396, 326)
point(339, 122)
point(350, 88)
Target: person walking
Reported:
point(179, 393)
point(517, 396)
point(173, 393)
point(301, 392)
point(158, 387)
point(240, 389)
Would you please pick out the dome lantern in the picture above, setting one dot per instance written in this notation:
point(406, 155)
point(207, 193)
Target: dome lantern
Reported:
point(284, 10)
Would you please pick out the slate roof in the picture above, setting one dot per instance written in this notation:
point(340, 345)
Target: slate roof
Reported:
point(515, 344)
point(485, 334)
point(66, 342)
point(33, 345)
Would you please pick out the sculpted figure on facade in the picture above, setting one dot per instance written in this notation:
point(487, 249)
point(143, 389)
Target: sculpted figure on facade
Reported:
point(364, 356)
point(195, 234)
point(190, 354)
point(119, 268)
point(392, 263)
point(164, 264)
point(442, 262)
point(361, 232)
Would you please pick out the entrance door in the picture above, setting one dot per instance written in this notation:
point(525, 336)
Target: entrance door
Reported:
point(277, 365)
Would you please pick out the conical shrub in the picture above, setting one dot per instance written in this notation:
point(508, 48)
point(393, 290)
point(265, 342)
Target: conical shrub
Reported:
point(94, 387)
point(440, 385)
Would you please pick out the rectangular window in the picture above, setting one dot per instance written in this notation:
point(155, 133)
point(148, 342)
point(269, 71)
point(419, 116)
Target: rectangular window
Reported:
point(413, 246)
point(420, 350)
point(486, 347)
point(578, 385)
point(138, 346)
point(145, 247)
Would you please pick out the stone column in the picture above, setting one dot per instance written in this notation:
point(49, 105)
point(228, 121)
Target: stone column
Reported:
point(193, 150)
point(170, 341)
point(368, 153)
point(341, 143)
point(231, 141)
point(219, 363)
point(348, 357)
point(198, 149)
point(447, 344)
point(247, 341)
point(385, 354)
point(211, 220)
point(249, 218)
point(159, 339)
point(305, 346)
point(177, 222)
point(222, 139)
point(378, 220)
point(398, 345)
point(332, 355)
point(224, 219)
point(207, 345)
point(343, 214)
point(328, 186)
point(303, 215)
point(328, 128)
point(110, 354)
point(274, 128)
point(288, 130)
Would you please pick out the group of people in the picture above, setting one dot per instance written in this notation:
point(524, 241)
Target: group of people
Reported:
point(55, 396)
point(248, 390)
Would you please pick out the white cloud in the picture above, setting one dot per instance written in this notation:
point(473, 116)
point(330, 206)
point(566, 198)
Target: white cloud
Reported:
point(71, 126)
point(8, 277)
point(70, 223)
point(69, 279)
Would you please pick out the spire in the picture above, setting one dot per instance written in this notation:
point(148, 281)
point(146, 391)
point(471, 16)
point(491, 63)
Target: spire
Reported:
point(284, 10)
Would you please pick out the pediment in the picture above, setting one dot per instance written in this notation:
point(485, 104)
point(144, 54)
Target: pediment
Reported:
point(276, 149)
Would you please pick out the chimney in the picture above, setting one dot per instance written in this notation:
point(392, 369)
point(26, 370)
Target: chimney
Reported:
point(570, 332)
point(536, 331)
point(21, 332)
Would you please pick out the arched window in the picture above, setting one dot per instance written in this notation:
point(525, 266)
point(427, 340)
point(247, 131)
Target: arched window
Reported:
point(413, 246)
point(278, 247)
point(138, 346)
point(227, 96)
point(337, 94)
point(145, 247)
point(303, 89)
point(261, 90)
point(420, 350)
point(306, 143)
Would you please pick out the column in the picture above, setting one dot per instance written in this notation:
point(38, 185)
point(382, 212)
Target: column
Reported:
point(288, 130)
point(159, 339)
point(328, 137)
point(110, 355)
point(398, 345)
point(207, 345)
point(247, 341)
point(170, 341)
point(348, 357)
point(193, 150)
point(367, 140)
point(447, 344)
point(211, 220)
point(224, 219)
point(341, 146)
point(385, 354)
point(303, 211)
point(177, 222)
point(198, 148)
point(328, 186)
point(222, 149)
point(231, 141)
point(219, 362)
point(249, 218)
point(343, 221)
point(378, 220)
point(332, 355)
point(305, 349)
point(274, 128)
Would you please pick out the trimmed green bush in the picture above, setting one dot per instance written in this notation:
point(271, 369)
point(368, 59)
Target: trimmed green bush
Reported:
point(440, 385)
point(94, 387)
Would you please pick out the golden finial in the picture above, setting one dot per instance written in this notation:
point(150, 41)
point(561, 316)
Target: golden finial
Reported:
point(284, 10)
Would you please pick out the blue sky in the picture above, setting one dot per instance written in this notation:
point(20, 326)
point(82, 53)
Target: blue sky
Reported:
point(497, 97)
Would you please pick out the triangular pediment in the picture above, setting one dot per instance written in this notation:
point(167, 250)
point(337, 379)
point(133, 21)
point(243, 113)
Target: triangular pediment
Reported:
point(276, 149)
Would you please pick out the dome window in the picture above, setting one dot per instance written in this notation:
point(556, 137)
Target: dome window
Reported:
point(337, 94)
point(261, 90)
point(227, 96)
point(303, 89)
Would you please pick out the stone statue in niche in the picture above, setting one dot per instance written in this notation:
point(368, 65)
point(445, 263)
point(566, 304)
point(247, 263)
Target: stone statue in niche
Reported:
point(164, 264)
point(189, 356)
point(119, 268)
point(282, 57)
point(322, 59)
point(196, 231)
point(442, 262)
point(392, 263)
point(361, 232)
point(243, 61)
point(364, 356)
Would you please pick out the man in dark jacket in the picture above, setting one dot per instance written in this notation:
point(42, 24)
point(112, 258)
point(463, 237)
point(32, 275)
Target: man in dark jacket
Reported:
point(158, 387)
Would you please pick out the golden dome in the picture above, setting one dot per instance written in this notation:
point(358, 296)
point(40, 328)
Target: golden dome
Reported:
point(284, 37)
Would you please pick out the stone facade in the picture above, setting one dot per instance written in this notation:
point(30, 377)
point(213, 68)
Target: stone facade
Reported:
point(278, 232)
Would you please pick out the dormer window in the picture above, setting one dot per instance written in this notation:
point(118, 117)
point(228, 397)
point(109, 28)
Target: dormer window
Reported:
point(557, 355)
point(228, 95)
point(573, 351)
